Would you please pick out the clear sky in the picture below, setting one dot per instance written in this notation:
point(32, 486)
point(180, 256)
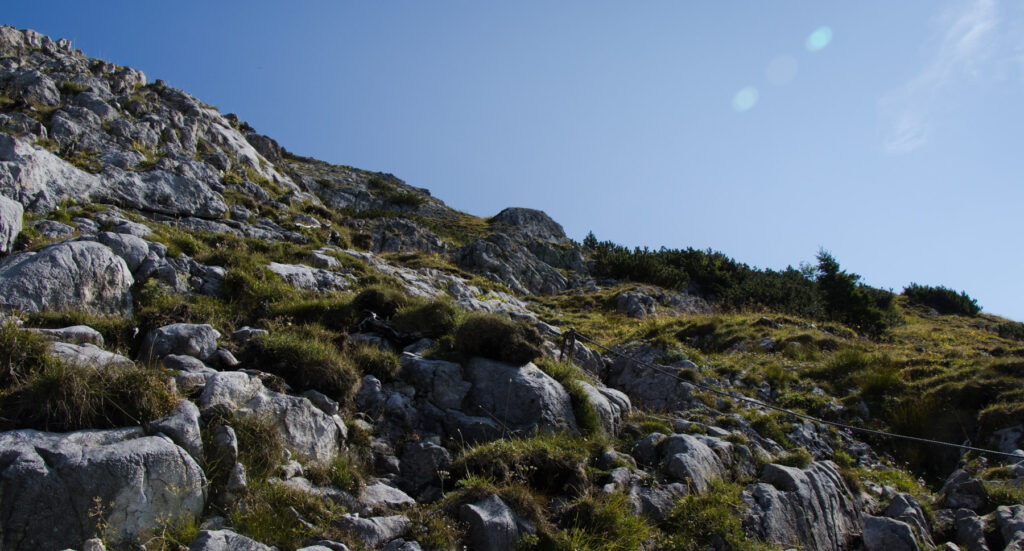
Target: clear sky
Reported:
point(889, 133)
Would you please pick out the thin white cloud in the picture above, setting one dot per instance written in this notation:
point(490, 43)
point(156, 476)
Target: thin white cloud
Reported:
point(967, 42)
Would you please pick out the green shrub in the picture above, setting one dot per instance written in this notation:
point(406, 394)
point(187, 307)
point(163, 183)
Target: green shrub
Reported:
point(1011, 330)
point(943, 300)
point(371, 360)
point(430, 319)
point(858, 306)
point(381, 300)
point(333, 311)
point(305, 358)
point(700, 522)
point(498, 338)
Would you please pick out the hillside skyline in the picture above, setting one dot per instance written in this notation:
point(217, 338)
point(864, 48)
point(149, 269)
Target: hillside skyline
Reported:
point(890, 144)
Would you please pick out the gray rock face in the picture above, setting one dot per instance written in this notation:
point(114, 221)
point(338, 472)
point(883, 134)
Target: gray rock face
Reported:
point(886, 534)
point(611, 405)
point(421, 464)
point(379, 497)
point(38, 179)
point(1010, 520)
point(493, 525)
point(395, 235)
point(375, 531)
point(970, 531)
point(225, 540)
point(522, 398)
point(11, 217)
point(502, 259)
point(76, 334)
point(49, 483)
point(439, 382)
point(812, 506)
point(181, 426)
point(88, 356)
point(529, 223)
point(68, 275)
point(307, 278)
point(659, 390)
point(305, 428)
point(635, 305)
point(689, 459)
point(906, 509)
point(961, 490)
point(187, 339)
point(131, 248)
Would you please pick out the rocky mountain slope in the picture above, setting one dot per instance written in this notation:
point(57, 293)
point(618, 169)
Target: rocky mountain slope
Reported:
point(211, 343)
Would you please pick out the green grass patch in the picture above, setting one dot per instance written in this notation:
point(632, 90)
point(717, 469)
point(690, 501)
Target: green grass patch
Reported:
point(498, 338)
point(553, 464)
point(307, 358)
point(699, 522)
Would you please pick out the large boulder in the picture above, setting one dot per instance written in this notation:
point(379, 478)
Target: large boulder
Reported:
point(11, 216)
point(307, 278)
point(374, 531)
point(809, 506)
point(493, 525)
point(53, 486)
point(522, 398)
point(38, 179)
point(689, 459)
point(887, 534)
point(186, 339)
point(70, 275)
point(304, 427)
point(88, 356)
point(162, 192)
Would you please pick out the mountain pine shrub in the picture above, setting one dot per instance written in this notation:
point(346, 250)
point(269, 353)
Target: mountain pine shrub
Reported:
point(943, 300)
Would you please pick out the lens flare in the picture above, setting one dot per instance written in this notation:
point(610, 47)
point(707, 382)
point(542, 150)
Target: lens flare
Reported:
point(818, 39)
point(745, 99)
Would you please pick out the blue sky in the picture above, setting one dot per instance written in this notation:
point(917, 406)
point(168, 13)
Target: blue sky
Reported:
point(894, 139)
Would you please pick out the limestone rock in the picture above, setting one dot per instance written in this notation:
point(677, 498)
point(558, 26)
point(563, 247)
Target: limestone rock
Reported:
point(689, 460)
point(196, 340)
point(38, 179)
point(181, 426)
point(493, 525)
point(886, 534)
point(11, 213)
point(307, 278)
point(49, 483)
point(375, 531)
point(225, 540)
point(522, 398)
point(68, 275)
point(304, 427)
point(88, 356)
point(811, 506)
